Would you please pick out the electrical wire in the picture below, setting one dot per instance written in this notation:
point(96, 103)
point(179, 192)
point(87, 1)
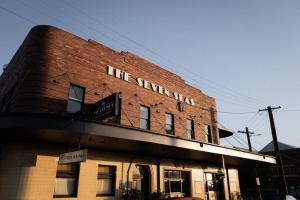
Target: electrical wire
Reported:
point(144, 47)
point(60, 21)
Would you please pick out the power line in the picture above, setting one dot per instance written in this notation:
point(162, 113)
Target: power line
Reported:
point(225, 112)
point(229, 142)
point(238, 142)
point(151, 51)
point(236, 113)
point(17, 15)
point(60, 21)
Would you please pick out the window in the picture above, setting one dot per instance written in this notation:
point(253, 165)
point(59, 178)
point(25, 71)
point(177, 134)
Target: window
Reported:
point(76, 97)
point(106, 180)
point(190, 129)
point(66, 181)
point(144, 117)
point(207, 133)
point(169, 124)
point(176, 183)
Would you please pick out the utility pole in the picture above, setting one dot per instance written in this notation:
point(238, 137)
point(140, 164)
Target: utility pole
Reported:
point(276, 148)
point(248, 137)
point(250, 149)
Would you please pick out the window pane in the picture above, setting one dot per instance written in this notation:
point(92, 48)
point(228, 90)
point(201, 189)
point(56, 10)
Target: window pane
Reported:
point(66, 180)
point(76, 92)
point(169, 119)
point(144, 112)
point(105, 187)
point(169, 124)
point(189, 124)
point(185, 182)
point(144, 124)
point(174, 174)
point(175, 186)
point(104, 170)
point(190, 129)
point(73, 106)
point(65, 186)
point(144, 117)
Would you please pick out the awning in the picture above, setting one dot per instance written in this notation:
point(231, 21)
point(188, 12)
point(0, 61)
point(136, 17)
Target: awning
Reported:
point(223, 132)
point(115, 138)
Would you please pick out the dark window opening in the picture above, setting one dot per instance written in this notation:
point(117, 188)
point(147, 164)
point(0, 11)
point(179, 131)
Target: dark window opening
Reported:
point(190, 129)
point(66, 182)
point(177, 183)
point(208, 136)
point(170, 124)
point(76, 98)
point(106, 180)
point(145, 117)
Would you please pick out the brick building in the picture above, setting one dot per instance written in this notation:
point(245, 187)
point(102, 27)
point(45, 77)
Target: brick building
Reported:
point(143, 126)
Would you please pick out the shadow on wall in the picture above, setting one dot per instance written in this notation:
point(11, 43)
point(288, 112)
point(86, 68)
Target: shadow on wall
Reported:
point(15, 166)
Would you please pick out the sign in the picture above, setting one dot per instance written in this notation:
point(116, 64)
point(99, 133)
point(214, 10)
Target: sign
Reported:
point(73, 157)
point(117, 73)
point(107, 107)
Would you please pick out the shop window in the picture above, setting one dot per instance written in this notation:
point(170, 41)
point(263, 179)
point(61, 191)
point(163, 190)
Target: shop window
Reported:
point(190, 129)
point(144, 117)
point(106, 180)
point(208, 137)
point(66, 181)
point(170, 124)
point(177, 183)
point(76, 98)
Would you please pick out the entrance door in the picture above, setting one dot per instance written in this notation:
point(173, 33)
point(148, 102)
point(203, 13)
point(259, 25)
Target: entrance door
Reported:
point(214, 186)
point(141, 179)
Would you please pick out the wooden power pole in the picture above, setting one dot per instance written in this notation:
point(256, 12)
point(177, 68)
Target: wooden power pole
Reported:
point(248, 137)
point(277, 151)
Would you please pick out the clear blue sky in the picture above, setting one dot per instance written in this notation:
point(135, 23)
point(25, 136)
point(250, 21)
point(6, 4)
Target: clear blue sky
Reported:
point(244, 53)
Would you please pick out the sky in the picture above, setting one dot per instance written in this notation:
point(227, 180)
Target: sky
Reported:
point(245, 54)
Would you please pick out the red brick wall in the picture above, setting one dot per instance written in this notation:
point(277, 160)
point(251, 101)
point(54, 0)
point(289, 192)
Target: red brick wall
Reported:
point(38, 78)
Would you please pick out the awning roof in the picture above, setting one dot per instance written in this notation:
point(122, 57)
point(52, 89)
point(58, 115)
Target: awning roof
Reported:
point(223, 132)
point(66, 131)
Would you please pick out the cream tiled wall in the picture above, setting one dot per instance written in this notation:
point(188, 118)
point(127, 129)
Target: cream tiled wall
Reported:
point(28, 172)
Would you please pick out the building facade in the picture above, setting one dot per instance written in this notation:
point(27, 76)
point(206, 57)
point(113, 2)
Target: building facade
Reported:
point(145, 128)
point(269, 176)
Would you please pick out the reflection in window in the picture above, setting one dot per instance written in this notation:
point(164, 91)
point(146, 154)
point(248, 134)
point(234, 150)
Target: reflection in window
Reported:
point(66, 180)
point(75, 100)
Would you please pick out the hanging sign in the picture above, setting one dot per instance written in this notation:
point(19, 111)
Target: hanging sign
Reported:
point(73, 157)
point(107, 107)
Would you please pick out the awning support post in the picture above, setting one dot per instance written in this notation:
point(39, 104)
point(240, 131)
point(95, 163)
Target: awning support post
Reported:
point(225, 170)
point(158, 174)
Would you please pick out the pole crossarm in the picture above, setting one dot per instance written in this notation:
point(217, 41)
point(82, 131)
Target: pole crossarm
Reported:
point(247, 132)
point(266, 109)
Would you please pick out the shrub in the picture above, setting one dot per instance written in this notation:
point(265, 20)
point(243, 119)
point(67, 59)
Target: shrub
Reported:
point(133, 194)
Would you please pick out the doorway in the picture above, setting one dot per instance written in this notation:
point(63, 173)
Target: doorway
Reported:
point(141, 180)
point(214, 186)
